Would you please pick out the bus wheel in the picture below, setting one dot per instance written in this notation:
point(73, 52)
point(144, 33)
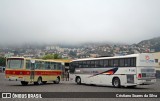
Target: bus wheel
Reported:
point(39, 81)
point(57, 80)
point(116, 82)
point(78, 80)
point(24, 83)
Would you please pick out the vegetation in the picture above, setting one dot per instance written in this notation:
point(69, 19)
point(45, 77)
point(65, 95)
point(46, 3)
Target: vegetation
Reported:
point(2, 61)
point(52, 56)
point(153, 43)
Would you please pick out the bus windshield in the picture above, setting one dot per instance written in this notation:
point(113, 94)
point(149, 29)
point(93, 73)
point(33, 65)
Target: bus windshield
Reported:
point(15, 63)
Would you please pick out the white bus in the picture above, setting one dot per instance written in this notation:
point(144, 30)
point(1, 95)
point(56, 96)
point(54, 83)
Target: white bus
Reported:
point(129, 70)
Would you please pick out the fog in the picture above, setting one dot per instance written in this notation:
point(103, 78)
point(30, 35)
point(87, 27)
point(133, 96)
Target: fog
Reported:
point(78, 21)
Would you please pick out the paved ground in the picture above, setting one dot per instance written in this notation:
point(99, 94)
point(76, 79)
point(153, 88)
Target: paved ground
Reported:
point(67, 86)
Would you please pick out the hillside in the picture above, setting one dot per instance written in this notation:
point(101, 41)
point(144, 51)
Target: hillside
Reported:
point(153, 44)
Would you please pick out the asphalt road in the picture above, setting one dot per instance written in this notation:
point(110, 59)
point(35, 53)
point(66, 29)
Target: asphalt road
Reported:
point(67, 86)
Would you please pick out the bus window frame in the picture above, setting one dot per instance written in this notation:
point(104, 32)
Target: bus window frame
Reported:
point(21, 63)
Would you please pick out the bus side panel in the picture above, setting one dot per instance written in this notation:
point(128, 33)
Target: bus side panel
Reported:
point(104, 79)
point(72, 77)
point(27, 78)
point(45, 78)
point(85, 78)
point(93, 79)
point(47, 75)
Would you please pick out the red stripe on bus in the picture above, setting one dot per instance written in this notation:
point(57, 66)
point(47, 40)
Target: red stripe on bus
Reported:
point(48, 72)
point(19, 72)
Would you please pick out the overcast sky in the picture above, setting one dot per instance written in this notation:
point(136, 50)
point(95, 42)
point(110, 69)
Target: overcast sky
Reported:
point(76, 21)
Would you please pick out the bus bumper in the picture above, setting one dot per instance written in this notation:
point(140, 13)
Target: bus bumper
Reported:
point(15, 78)
point(146, 82)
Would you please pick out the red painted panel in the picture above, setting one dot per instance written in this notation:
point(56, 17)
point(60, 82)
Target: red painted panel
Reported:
point(17, 72)
point(27, 72)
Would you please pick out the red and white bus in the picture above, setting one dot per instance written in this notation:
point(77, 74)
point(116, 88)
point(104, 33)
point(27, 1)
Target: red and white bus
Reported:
point(35, 71)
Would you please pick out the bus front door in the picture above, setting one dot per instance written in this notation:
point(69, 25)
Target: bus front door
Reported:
point(32, 74)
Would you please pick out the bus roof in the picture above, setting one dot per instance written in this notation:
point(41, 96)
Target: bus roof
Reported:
point(114, 57)
point(61, 60)
point(51, 60)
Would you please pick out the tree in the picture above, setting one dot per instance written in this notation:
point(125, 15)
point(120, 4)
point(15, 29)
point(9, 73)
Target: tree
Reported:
point(51, 56)
point(57, 56)
point(2, 61)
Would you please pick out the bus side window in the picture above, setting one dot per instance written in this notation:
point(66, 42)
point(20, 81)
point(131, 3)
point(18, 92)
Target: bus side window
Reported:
point(59, 66)
point(37, 65)
point(76, 65)
point(93, 64)
point(55, 66)
point(111, 62)
point(88, 64)
point(28, 64)
point(106, 63)
point(52, 66)
point(97, 64)
point(127, 62)
point(80, 64)
point(121, 62)
point(133, 62)
point(85, 64)
point(47, 65)
point(116, 62)
point(101, 64)
point(43, 65)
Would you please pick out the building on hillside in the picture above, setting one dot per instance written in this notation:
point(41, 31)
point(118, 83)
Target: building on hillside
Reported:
point(94, 55)
point(8, 55)
point(157, 60)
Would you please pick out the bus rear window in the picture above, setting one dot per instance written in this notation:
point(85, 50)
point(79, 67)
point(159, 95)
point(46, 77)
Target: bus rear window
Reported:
point(15, 63)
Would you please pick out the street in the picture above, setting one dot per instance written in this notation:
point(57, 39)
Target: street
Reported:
point(67, 86)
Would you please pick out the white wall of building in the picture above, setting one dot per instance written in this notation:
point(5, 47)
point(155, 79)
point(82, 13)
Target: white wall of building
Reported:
point(157, 60)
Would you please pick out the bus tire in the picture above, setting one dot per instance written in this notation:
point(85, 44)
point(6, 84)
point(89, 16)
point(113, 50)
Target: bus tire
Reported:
point(78, 80)
point(116, 82)
point(24, 83)
point(39, 81)
point(57, 80)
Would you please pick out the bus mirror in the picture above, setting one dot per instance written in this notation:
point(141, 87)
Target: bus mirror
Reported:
point(32, 61)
